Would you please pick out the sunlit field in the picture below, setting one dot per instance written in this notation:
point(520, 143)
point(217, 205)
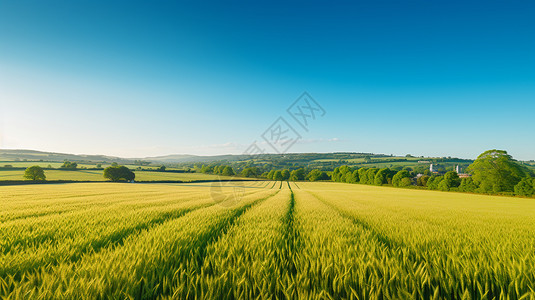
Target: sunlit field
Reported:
point(262, 239)
point(97, 175)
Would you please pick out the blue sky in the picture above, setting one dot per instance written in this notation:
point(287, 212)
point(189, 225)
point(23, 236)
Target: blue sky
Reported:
point(127, 78)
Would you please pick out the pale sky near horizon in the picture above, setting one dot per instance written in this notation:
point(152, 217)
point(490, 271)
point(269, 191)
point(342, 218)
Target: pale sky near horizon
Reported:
point(133, 79)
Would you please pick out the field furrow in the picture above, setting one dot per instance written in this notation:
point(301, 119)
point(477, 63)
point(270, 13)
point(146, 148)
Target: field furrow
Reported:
point(245, 262)
point(459, 256)
point(278, 240)
point(144, 264)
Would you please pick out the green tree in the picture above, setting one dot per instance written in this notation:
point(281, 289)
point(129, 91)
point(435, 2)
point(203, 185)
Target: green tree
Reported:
point(351, 177)
point(337, 175)
point(381, 176)
point(525, 187)
point(434, 182)
point(467, 185)
point(277, 175)
point(118, 173)
point(355, 176)
point(362, 175)
point(162, 168)
point(69, 165)
point(228, 171)
point(250, 172)
point(370, 175)
point(35, 173)
point(271, 174)
point(451, 180)
point(316, 175)
point(496, 171)
point(397, 180)
point(298, 174)
point(422, 180)
point(405, 181)
point(285, 174)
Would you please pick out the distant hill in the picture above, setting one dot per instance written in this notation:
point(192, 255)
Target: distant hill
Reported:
point(33, 155)
point(323, 161)
point(185, 158)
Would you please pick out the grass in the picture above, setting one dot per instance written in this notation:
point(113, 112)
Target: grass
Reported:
point(96, 175)
point(280, 240)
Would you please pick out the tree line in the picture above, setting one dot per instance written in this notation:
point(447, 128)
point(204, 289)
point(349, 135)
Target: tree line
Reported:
point(493, 172)
point(256, 172)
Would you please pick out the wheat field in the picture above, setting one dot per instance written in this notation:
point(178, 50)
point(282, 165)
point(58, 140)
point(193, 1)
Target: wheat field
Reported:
point(264, 239)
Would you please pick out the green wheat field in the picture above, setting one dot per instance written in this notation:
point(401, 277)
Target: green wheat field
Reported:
point(260, 240)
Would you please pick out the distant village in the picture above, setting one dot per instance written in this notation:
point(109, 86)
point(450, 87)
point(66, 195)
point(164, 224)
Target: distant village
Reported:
point(458, 170)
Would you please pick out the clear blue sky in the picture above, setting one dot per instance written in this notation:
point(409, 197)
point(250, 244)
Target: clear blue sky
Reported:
point(444, 78)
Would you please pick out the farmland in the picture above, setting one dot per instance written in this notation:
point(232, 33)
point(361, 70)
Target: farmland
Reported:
point(285, 240)
point(96, 175)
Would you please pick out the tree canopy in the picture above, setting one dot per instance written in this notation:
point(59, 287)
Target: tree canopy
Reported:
point(69, 165)
point(118, 173)
point(298, 174)
point(316, 175)
point(496, 171)
point(228, 171)
point(35, 173)
point(399, 179)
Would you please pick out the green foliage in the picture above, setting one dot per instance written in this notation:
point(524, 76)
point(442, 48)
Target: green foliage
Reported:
point(450, 180)
point(206, 169)
point(467, 185)
point(316, 175)
point(285, 174)
point(399, 179)
point(118, 173)
point(495, 171)
point(355, 176)
point(370, 176)
point(277, 175)
point(526, 187)
point(228, 171)
point(344, 174)
point(35, 173)
point(381, 177)
point(422, 180)
point(161, 168)
point(362, 175)
point(434, 181)
point(69, 165)
point(250, 172)
point(297, 175)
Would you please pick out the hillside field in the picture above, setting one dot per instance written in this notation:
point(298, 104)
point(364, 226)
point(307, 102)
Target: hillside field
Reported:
point(262, 239)
point(97, 175)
